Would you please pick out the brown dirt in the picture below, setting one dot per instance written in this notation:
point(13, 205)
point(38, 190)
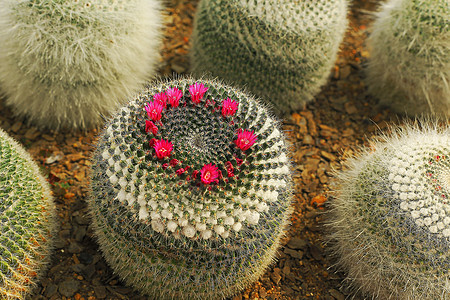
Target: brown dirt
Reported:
point(327, 131)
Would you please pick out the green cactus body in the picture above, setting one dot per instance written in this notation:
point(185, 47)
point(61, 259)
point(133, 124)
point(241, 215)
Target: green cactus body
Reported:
point(409, 66)
point(205, 221)
point(64, 64)
point(390, 219)
point(282, 51)
point(27, 221)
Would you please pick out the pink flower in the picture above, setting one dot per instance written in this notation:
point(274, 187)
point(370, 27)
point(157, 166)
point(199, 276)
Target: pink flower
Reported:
point(154, 110)
point(245, 139)
point(197, 91)
point(174, 95)
point(229, 107)
point(150, 126)
point(209, 173)
point(161, 98)
point(163, 148)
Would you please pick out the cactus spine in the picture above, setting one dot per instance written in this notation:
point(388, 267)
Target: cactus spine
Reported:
point(27, 221)
point(282, 51)
point(64, 64)
point(390, 219)
point(409, 67)
point(193, 189)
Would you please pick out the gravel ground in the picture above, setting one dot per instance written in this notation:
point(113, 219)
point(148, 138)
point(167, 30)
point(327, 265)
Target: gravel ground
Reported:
point(323, 134)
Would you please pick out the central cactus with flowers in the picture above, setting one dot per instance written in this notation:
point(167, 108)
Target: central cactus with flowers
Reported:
point(191, 190)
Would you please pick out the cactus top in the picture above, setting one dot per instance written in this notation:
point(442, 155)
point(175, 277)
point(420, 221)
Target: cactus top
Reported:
point(419, 171)
point(195, 160)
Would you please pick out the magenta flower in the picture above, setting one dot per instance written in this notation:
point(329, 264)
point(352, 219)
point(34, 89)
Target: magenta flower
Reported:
point(229, 107)
point(197, 91)
point(150, 126)
point(209, 173)
point(245, 139)
point(161, 98)
point(174, 95)
point(154, 110)
point(163, 148)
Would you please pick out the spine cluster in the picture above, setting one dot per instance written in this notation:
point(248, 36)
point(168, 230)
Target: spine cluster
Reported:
point(390, 219)
point(282, 51)
point(27, 221)
point(191, 182)
point(65, 64)
point(409, 66)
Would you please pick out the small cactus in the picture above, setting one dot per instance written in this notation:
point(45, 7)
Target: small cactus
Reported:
point(282, 51)
point(390, 217)
point(409, 65)
point(27, 221)
point(191, 190)
point(65, 64)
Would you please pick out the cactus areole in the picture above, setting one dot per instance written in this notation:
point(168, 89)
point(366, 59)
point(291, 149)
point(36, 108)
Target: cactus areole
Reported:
point(195, 177)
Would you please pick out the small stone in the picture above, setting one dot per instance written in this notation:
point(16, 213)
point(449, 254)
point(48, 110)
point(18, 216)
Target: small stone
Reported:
point(350, 108)
point(50, 290)
point(75, 157)
point(80, 233)
point(336, 294)
point(294, 253)
point(68, 288)
point(32, 133)
point(85, 258)
point(16, 127)
point(328, 156)
point(56, 156)
point(308, 140)
point(100, 291)
point(74, 247)
point(297, 243)
point(275, 275)
point(345, 71)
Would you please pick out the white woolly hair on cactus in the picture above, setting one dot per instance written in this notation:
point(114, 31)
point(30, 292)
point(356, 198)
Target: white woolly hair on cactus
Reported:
point(409, 65)
point(27, 221)
point(280, 50)
point(191, 190)
point(64, 64)
point(389, 223)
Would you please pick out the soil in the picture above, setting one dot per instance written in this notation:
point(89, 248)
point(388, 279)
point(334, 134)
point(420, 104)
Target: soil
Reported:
point(324, 134)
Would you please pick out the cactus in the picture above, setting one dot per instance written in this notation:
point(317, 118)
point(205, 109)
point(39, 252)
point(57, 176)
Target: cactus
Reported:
point(27, 221)
point(282, 51)
point(409, 65)
point(390, 218)
point(190, 190)
point(65, 64)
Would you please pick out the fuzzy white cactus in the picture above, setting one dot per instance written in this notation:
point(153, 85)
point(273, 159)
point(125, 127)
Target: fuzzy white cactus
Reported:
point(409, 66)
point(390, 218)
point(64, 64)
point(280, 50)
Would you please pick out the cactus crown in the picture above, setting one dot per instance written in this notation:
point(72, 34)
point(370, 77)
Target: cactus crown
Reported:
point(192, 180)
point(397, 195)
point(214, 163)
point(26, 220)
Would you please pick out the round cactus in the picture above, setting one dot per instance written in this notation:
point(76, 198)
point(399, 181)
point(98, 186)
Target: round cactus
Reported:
point(191, 190)
point(390, 219)
point(27, 221)
point(282, 51)
point(409, 65)
point(64, 64)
